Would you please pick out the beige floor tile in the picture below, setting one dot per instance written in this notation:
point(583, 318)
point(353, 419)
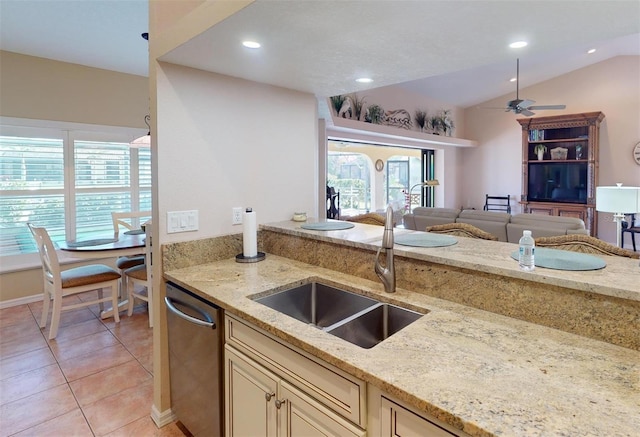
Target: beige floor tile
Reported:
point(26, 362)
point(94, 362)
point(26, 384)
point(80, 329)
point(146, 427)
point(35, 409)
point(94, 387)
point(19, 330)
point(71, 424)
point(13, 315)
point(120, 409)
point(22, 345)
point(65, 350)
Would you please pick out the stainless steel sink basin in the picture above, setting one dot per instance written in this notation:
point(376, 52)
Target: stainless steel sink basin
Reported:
point(317, 304)
point(357, 319)
point(375, 325)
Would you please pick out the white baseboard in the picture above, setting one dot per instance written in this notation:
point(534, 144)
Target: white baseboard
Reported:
point(20, 301)
point(162, 418)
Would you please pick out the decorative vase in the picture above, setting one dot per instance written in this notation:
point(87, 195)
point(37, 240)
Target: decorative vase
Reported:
point(540, 155)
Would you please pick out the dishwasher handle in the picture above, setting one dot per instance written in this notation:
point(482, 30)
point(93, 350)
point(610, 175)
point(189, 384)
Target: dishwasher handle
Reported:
point(208, 322)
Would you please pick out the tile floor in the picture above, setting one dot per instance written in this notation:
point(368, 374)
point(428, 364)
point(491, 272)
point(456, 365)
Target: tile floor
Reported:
point(94, 379)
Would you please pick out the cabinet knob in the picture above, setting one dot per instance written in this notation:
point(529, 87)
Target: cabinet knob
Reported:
point(280, 403)
point(268, 396)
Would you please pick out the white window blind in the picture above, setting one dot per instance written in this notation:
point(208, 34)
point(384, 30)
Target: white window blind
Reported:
point(73, 201)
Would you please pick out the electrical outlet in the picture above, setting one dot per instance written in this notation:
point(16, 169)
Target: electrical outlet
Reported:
point(236, 218)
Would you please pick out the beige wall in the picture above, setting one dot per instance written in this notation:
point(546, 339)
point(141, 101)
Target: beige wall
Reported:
point(43, 89)
point(611, 86)
point(225, 142)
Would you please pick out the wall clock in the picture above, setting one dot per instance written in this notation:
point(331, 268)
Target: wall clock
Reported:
point(636, 153)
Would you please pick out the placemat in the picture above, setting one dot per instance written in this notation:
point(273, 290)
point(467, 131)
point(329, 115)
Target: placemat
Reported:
point(327, 226)
point(95, 242)
point(134, 232)
point(425, 240)
point(564, 259)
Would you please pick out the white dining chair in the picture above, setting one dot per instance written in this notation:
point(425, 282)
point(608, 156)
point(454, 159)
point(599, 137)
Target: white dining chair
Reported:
point(60, 283)
point(141, 275)
point(131, 222)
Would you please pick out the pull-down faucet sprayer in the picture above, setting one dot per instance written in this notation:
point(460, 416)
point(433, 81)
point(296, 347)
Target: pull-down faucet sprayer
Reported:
point(387, 274)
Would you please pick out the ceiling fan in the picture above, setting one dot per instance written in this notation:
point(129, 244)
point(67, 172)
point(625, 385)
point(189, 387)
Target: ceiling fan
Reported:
point(525, 107)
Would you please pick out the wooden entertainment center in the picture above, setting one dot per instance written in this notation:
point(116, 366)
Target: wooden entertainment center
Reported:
point(562, 180)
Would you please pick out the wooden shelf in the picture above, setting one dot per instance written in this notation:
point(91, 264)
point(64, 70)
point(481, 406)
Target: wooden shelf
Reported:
point(349, 129)
point(566, 140)
point(560, 161)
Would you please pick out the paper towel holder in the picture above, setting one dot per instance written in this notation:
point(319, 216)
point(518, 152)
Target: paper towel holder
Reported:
point(240, 258)
point(250, 231)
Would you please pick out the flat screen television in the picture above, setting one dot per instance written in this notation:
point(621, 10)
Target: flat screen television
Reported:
point(564, 182)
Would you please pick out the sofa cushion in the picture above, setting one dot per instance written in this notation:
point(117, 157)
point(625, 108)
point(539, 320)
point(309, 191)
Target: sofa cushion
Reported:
point(542, 225)
point(421, 217)
point(489, 221)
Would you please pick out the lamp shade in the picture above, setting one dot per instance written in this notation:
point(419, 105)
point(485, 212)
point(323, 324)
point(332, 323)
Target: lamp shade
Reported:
point(618, 199)
point(143, 141)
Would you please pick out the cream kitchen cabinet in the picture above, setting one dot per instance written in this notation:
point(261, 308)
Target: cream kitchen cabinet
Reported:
point(274, 390)
point(389, 417)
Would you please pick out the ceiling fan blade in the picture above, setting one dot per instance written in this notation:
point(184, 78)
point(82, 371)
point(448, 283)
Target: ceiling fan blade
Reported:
point(526, 104)
point(548, 107)
point(526, 112)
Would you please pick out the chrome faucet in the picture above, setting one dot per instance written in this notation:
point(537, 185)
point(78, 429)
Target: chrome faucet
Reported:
point(387, 274)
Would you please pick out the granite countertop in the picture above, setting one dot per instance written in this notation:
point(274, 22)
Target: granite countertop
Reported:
point(481, 372)
point(620, 278)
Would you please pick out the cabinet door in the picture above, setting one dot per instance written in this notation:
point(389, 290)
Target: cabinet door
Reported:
point(398, 421)
point(300, 415)
point(251, 394)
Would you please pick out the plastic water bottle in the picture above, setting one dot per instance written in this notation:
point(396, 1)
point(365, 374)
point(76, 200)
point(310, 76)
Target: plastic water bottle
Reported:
point(527, 249)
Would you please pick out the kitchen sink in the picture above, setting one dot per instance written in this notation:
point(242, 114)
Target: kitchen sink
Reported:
point(375, 325)
point(317, 304)
point(357, 319)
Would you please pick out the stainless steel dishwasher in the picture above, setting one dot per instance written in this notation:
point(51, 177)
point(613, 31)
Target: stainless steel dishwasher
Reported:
point(195, 361)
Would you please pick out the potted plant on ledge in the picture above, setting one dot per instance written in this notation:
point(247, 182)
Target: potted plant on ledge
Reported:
point(540, 150)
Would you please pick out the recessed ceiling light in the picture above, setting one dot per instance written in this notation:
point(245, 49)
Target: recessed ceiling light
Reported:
point(364, 80)
point(591, 51)
point(518, 44)
point(251, 44)
point(513, 79)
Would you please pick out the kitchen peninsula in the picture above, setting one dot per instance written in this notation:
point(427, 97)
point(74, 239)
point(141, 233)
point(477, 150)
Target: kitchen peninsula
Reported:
point(468, 362)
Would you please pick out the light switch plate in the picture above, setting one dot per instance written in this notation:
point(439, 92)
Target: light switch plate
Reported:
point(182, 221)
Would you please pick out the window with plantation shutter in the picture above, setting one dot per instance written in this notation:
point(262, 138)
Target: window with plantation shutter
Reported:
point(68, 181)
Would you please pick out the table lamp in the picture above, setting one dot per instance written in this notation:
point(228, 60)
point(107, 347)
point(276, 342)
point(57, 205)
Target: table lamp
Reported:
point(618, 200)
point(427, 183)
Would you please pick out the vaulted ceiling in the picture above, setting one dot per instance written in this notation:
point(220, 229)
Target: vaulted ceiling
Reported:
point(452, 50)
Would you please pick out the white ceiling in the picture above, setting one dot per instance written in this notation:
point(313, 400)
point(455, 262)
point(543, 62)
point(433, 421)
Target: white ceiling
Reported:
point(451, 50)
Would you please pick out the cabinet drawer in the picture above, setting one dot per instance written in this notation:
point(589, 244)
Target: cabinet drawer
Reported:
point(341, 392)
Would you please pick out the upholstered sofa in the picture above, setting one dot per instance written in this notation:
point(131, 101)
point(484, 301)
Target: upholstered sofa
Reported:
point(506, 227)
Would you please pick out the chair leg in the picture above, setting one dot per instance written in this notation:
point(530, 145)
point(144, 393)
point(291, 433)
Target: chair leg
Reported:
point(633, 240)
point(46, 301)
point(130, 288)
point(55, 318)
point(150, 305)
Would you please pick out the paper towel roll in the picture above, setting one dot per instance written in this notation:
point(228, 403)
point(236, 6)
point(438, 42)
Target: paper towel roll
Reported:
point(249, 234)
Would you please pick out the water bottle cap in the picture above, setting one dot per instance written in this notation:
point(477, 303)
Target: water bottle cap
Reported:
point(526, 233)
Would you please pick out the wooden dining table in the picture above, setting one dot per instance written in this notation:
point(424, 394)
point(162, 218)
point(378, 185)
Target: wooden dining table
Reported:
point(124, 244)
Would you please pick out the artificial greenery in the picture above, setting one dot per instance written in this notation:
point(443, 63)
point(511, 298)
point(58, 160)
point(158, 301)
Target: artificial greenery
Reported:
point(337, 102)
point(357, 105)
point(420, 117)
point(374, 114)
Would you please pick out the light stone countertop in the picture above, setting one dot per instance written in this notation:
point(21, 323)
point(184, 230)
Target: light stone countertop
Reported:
point(620, 278)
point(481, 372)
